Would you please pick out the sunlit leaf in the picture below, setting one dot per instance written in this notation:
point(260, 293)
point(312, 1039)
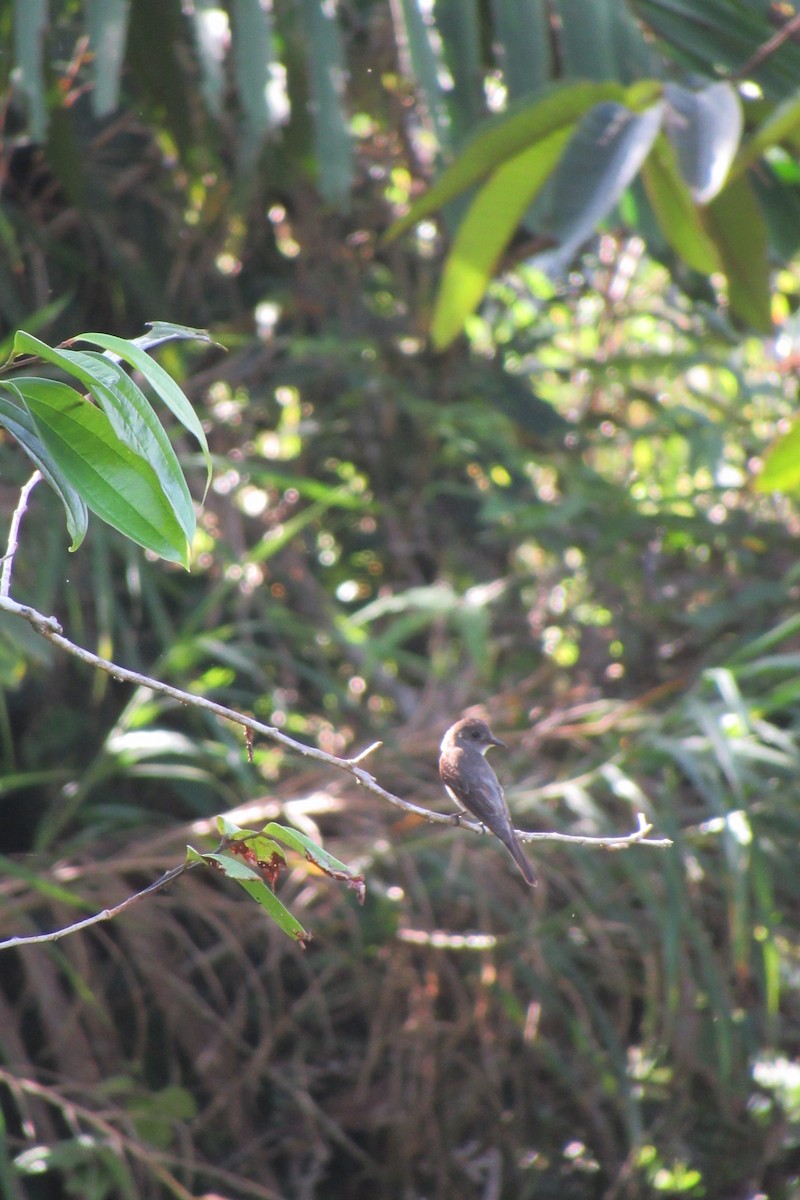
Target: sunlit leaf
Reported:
point(675, 210)
point(781, 469)
point(485, 232)
point(734, 221)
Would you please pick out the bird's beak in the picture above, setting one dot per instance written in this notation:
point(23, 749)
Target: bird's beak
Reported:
point(496, 741)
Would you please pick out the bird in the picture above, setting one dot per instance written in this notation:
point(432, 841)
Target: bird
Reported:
point(473, 785)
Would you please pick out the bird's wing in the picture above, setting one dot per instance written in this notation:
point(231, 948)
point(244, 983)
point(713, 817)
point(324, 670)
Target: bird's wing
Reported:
point(479, 791)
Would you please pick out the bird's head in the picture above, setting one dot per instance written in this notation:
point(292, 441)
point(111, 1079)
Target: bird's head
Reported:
point(471, 732)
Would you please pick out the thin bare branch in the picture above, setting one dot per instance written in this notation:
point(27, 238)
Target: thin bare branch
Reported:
point(13, 533)
point(106, 915)
point(359, 758)
point(50, 629)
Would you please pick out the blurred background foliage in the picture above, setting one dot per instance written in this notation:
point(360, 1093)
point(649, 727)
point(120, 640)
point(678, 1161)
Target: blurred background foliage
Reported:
point(555, 520)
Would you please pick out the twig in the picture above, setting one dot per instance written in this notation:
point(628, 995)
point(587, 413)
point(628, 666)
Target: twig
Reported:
point(50, 629)
point(768, 48)
point(105, 915)
point(13, 533)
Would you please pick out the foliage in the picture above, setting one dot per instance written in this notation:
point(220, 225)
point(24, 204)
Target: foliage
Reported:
point(107, 451)
point(555, 520)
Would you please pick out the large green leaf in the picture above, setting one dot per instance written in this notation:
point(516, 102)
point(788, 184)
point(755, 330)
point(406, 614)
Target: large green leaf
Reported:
point(115, 482)
point(254, 885)
point(19, 423)
point(507, 136)
point(162, 383)
point(735, 223)
point(135, 423)
point(486, 230)
point(676, 211)
point(781, 470)
point(129, 412)
point(603, 157)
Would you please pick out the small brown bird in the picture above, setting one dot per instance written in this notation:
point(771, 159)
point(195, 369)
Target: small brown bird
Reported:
point(474, 786)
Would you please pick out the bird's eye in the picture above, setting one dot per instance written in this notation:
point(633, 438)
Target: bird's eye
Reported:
point(475, 734)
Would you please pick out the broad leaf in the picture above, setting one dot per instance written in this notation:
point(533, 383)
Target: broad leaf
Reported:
point(19, 423)
point(509, 135)
point(603, 157)
point(255, 886)
point(129, 412)
point(314, 853)
point(134, 422)
point(115, 482)
point(162, 384)
point(737, 226)
point(676, 211)
point(781, 470)
point(486, 230)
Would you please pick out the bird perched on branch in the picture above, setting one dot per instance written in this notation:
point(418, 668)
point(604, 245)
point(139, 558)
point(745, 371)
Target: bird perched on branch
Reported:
point(473, 785)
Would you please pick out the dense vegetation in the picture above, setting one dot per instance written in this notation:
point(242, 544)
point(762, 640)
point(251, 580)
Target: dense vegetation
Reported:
point(554, 521)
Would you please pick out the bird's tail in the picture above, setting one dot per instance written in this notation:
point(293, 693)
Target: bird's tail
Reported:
point(512, 844)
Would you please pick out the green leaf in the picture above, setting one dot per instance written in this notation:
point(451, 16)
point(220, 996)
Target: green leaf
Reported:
point(115, 482)
point(522, 32)
point(781, 470)
point(255, 886)
point(586, 39)
point(134, 422)
point(460, 38)
point(263, 847)
point(160, 381)
point(419, 61)
point(165, 331)
point(605, 153)
point(20, 425)
point(509, 135)
point(321, 858)
point(485, 232)
point(129, 411)
point(675, 210)
point(734, 221)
